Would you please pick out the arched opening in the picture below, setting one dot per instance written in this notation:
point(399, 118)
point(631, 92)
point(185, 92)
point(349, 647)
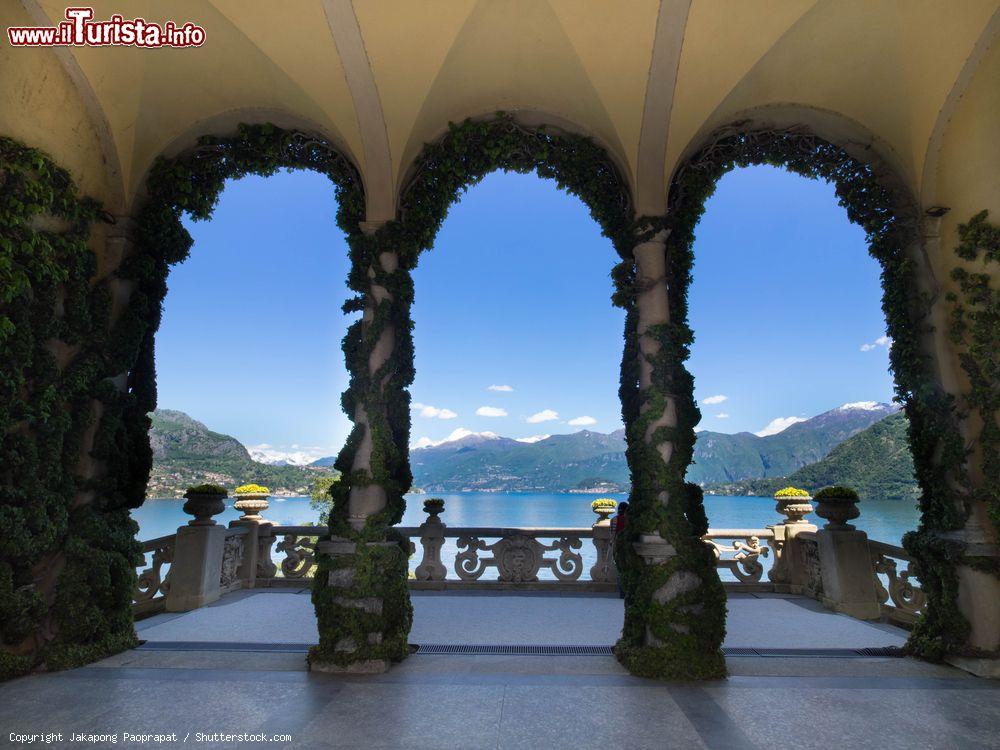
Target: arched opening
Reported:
point(876, 201)
point(514, 334)
point(807, 347)
point(675, 603)
point(248, 384)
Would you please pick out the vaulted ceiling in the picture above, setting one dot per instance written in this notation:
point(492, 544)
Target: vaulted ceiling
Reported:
point(645, 78)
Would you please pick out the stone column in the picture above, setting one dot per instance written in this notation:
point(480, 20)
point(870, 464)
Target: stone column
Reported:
point(789, 567)
point(360, 592)
point(848, 576)
point(674, 601)
point(197, 567)
point(979, 596)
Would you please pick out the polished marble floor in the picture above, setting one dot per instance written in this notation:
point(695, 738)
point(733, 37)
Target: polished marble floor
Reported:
point(212, 697)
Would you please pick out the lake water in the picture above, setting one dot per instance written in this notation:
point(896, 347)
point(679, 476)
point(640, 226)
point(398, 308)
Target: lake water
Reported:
point(885, 521)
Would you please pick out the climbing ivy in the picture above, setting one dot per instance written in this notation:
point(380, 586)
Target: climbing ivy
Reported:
point(975, 329)
point(72, 371)
point(67, 550)
point(469, 151)
point(891, 224)
point(67, 559)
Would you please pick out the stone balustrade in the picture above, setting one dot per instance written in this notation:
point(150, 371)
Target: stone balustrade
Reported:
point(153, 581)
point(825, 564)
point(899, 599)
point(742, 555)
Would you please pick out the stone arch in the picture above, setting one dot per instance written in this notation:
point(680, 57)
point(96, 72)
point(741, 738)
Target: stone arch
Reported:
point(363, 618)
point(529, 118)
point(227, 123)
point(878, 198)
point(675, 603)
point(90, 364)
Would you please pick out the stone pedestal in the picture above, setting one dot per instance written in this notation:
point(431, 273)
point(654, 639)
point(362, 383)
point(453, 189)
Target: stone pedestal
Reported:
point(257, 543)
point(431, 540)
point(603, 570)
point(256, 550)
point(361, 651)
point(845, 562)
point(789, 567)
point(197, 567)
point(848, 579)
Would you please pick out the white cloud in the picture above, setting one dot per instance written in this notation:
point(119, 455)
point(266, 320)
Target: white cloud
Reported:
point(545, 415)
point(500, 388)
point(491, 411)
point(778, 424)
point(715, 399)
point(722, 415)
point(880, 341)
point(432, 412)
point(582, 421)
point(458, 434)
point(533, 438)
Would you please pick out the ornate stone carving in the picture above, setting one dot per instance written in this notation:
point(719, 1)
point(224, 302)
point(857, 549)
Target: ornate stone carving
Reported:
point(300, 553)
point(814, 571)
point(744, 564)
point(151, 582)
point(901, 591)
point(518, 558)
point(232, 557)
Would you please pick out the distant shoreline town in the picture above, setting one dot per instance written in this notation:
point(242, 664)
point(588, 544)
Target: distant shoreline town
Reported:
point(863, 445)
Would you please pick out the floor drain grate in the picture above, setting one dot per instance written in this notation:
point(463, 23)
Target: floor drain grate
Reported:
point(487, 649)
point(514, 650)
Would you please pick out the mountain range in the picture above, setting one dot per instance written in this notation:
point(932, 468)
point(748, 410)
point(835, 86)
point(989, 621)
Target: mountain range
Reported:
point(876, 462)
point(186, 452)
point(861, 444)
point(588, 460)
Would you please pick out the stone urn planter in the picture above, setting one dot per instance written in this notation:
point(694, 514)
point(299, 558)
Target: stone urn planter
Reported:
point(203, 502)
point(837, 505)
point(604, 508)
point(433, 507)
point(793, 504)
point(251, 501)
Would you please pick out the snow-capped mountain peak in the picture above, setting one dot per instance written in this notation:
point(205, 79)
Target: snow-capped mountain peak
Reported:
point(863, 406)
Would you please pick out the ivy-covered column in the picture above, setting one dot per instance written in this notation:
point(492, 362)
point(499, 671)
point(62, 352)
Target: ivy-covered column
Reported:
point(972, 544)
point(360, 593)
point(67, 553)
point(675, 608)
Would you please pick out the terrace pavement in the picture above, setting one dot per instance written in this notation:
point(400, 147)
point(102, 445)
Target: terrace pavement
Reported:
point(207, 672)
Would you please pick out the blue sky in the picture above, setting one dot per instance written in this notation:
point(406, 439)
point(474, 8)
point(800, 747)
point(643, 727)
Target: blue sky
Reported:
point(514, 330)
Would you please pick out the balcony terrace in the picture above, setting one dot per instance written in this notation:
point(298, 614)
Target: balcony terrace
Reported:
point(524, 660)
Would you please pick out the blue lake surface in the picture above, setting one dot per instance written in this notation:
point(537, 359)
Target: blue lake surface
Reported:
point(884, 521)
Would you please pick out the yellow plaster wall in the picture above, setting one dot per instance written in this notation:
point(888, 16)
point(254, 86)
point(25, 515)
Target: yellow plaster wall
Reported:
point(277, 58)
point(512, 55)
point(886, 65)
point(40, 107)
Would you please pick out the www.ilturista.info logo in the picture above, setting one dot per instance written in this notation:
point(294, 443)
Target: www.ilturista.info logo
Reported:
point(78, 30)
